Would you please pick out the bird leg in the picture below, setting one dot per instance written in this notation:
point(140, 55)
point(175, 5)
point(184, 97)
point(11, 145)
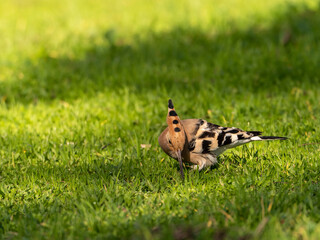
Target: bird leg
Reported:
point(202, 161)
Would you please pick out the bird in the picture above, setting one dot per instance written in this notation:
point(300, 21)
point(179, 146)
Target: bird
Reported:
point(199, 142)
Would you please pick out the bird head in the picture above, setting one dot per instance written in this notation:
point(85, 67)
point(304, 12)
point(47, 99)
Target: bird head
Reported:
point(173, 139)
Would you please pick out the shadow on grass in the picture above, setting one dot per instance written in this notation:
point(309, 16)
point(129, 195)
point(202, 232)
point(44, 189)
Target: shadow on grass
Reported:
point(278, 58)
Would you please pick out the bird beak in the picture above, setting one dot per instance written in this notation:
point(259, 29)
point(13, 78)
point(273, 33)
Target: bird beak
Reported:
point(180, 163)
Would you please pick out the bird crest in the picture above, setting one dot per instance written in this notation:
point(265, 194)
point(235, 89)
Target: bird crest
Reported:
point(176, 132)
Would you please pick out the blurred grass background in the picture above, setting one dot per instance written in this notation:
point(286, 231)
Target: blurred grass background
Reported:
point(84, 83)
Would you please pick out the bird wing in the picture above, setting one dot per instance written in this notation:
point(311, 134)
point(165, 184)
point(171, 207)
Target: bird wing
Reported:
point(209, 138)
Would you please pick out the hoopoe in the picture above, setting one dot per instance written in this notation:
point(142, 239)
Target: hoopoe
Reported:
point(199, 142)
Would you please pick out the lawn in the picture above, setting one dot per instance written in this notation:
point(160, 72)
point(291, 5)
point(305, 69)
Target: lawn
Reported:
point(84, 87)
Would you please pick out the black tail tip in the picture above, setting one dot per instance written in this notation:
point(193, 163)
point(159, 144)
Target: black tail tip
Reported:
point(273, 138)
point(170, 104)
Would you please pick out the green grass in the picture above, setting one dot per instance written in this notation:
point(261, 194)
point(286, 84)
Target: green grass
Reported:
point(84, 83)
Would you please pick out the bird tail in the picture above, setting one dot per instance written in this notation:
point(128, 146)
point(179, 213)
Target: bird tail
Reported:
point(261, 138)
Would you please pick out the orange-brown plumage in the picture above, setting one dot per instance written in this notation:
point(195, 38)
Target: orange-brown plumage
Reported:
point(199, 142)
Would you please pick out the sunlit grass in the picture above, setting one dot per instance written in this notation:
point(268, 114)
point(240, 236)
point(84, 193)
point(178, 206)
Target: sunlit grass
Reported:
point(83, 93)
